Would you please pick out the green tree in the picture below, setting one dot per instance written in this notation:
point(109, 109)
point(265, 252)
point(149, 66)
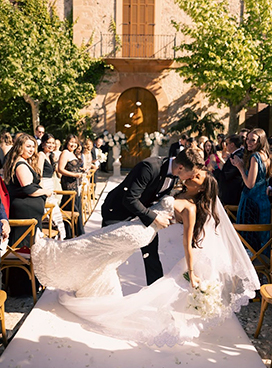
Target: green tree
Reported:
point(228, 57)
point(189, 121)
point(40, 63)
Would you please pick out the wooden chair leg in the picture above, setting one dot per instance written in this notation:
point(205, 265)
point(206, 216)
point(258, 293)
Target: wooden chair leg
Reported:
point(263, 309)
point(2, 317)
point(33, 285)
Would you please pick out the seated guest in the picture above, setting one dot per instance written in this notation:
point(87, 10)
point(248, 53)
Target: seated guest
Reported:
point(176, 147)
point(229, 179)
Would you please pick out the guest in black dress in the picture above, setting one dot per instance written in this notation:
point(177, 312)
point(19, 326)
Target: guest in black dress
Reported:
point(47, 166)
point(27, 198)
point(22, 178)
point(70, 167)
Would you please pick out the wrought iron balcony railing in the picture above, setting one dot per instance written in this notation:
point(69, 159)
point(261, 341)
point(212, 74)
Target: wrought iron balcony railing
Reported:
point(134, 46)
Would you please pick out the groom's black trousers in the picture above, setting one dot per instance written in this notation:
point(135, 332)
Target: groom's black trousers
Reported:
point(152, 263)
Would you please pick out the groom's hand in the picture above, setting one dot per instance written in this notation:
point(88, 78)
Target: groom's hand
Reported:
point(162, 221)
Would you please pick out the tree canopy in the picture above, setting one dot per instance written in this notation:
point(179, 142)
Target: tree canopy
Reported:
point(40, 63)
point(227, 56)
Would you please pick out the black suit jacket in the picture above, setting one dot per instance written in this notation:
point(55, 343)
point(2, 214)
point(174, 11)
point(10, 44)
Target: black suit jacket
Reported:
point(230, 181)
point(174, 149)
point(137, 192)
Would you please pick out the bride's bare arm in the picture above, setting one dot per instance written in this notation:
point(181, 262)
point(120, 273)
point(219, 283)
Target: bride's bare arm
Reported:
point(187, 212)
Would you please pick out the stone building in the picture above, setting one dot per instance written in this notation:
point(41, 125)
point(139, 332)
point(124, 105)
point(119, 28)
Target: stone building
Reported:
point(142, 93)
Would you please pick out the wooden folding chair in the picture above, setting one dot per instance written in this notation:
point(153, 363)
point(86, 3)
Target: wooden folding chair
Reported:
point(85, 205)
point(3, 298)
point(231, 212)
point(12, 258)
point(48, 214)
point(261, 262)
point(71, 217)
point(91, 188)
point(88, 196)
point(266, 293)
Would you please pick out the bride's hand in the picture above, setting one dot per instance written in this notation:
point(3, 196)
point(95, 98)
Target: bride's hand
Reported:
point(162, 220)
point(195, 280)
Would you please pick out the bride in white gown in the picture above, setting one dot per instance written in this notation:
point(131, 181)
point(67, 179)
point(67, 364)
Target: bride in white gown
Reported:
point(172, 310)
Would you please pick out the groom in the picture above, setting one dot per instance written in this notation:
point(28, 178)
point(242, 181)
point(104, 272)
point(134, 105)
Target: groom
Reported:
point(146, 183)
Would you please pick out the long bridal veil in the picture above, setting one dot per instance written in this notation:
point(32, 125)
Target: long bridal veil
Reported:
point(170, 311)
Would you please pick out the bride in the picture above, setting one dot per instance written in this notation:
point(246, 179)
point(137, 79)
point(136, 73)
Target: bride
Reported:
point(214, 277)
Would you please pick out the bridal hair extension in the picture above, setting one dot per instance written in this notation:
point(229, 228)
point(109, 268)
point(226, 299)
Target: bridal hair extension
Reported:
point(205, 207)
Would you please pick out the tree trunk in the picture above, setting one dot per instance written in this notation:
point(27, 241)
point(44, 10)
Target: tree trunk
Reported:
point(234, 113)
point(34, 109)
point(233, 120)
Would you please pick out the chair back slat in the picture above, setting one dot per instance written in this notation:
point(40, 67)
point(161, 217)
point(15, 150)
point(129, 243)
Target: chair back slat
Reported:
point(260, 261)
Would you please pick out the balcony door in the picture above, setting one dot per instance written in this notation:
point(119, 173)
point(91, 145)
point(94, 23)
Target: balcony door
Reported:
point(138, 28)
point(136, 113)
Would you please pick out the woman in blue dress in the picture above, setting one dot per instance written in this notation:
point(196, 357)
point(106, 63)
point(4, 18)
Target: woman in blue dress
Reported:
point(254, 206)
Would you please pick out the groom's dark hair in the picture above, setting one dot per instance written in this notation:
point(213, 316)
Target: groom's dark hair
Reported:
point(189, 158)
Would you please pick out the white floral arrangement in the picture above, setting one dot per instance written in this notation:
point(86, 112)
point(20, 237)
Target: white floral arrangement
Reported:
point(101, 156)
point(118, 139)
point(150, 139)
point(205, 299)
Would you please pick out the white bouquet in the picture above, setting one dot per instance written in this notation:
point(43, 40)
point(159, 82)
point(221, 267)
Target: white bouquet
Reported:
point(206, 298)
point(151, 139)
point(101, 156)
point(117, 139)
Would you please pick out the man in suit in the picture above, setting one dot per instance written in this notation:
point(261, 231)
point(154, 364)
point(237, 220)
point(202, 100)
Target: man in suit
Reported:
point(229, 179)
point(146, 183)
point(176, 147)
point(39, 132)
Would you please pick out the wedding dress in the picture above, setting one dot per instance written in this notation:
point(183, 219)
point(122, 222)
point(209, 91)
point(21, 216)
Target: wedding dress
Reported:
point(167, 312)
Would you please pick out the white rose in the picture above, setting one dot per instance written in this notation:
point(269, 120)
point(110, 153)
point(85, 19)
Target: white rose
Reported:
point(106, 139)
point(116, 137)
point(123, 142)
point(111, 143)
point(148, 142)
point(152, 136)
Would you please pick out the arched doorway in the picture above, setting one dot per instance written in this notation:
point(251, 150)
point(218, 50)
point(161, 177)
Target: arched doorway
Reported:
point(136, 113)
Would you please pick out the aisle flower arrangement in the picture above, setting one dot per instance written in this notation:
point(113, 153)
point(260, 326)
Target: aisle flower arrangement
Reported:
point(150, 139)
point(118, 139)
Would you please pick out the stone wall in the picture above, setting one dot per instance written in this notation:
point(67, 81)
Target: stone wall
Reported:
point(93, 17)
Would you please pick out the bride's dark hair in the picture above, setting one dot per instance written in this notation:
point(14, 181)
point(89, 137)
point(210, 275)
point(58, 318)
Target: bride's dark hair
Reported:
point(205, 207)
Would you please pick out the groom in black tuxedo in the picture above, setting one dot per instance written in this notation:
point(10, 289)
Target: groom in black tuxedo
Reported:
point(146, 183)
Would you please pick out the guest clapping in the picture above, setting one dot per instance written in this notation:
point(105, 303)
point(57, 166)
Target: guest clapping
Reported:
point(255, 168)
